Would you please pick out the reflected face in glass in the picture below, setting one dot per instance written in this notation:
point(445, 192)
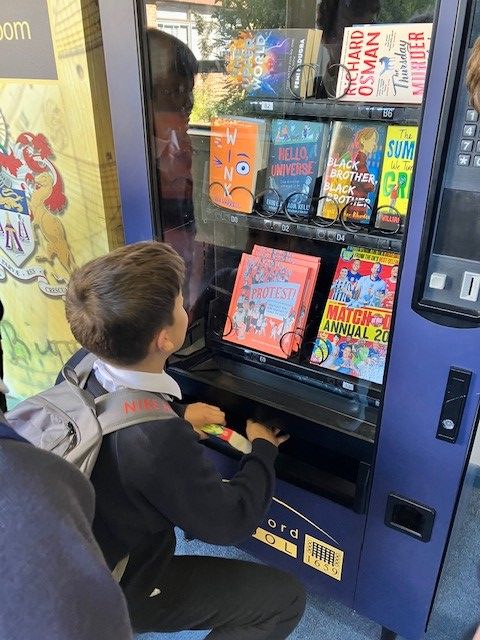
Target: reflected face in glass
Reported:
point(174, 95)
point(173, 68)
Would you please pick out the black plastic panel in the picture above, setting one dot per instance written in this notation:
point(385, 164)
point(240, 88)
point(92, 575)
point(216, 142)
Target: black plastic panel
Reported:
point(456, 392)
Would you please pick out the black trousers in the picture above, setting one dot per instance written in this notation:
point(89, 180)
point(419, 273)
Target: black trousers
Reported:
point(237, 600)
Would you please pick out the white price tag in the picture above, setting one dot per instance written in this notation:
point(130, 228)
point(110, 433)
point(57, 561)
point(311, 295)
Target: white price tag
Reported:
point(266, 106)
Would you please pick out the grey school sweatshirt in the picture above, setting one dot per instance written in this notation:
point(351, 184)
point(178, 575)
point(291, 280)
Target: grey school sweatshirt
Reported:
point(54, 583)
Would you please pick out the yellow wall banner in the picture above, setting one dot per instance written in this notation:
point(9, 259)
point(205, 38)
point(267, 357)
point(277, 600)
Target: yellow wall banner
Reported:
point(59, 203)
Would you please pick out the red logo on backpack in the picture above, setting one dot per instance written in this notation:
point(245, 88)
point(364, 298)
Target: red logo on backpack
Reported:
point(142, 404)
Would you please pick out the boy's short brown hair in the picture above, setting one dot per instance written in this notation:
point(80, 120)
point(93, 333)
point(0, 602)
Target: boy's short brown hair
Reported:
point(116, 304)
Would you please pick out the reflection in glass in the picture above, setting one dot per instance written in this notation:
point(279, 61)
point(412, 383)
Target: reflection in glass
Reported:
point(173, 69)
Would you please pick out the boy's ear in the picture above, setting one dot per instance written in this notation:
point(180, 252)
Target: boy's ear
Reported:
point(162, 341)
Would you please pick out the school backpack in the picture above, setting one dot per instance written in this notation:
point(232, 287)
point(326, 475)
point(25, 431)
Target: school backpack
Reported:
point(69, 421)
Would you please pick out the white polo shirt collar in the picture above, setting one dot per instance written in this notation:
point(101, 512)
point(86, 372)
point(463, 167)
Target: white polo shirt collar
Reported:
point(113, 378)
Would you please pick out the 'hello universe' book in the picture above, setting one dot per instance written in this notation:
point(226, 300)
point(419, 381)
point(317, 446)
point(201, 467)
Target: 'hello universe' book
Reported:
point(296, 153)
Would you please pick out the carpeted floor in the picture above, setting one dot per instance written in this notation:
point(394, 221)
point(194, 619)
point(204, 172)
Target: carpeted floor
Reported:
point(457, 605)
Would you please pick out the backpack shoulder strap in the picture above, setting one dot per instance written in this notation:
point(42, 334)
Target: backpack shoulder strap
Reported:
point(84, 368)
point(127, 407)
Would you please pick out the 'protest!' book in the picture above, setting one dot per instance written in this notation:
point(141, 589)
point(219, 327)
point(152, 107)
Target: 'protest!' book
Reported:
point(265, 304)
point(313, 262)
point(351, 178)
point(386, 63)
point(296, 152)
point(396, 177)
point(355, 327)
point(267, 63)
point(237, 154)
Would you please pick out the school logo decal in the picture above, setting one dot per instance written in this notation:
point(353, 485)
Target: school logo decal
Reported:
point(33, 241)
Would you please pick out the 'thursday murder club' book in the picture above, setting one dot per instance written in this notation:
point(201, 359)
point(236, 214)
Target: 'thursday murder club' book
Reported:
point(355, 327)
point(351, 178)
point(296, 150)
point(386, 63)
point(267, 63)
point(396, 177)
point(237, 154)
point(265, 305)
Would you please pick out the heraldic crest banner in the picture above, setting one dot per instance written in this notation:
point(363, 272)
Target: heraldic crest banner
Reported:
point(33, 241)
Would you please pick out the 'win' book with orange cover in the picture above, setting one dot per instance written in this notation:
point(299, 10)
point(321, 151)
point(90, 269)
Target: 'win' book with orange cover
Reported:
point(237, 154)
point(266, 304)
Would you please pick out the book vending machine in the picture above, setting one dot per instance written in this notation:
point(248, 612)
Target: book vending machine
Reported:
point(316, 166)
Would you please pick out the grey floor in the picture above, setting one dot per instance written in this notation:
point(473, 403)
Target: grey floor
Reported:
point(457, 605)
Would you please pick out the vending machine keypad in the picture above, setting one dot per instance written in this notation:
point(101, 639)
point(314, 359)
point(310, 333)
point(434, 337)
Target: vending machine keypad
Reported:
point(470, 142)
point(452, 277)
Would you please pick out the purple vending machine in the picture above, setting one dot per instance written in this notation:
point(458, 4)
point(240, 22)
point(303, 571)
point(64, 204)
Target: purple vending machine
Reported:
point(430, 406)
point(316, 166)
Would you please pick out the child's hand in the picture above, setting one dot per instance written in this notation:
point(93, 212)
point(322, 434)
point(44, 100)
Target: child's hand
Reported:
point(199, 414)
point(258, 430)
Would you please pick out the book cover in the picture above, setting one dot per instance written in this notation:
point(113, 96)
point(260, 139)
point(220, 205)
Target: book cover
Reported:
point(351, 179)
point(396, 177)
point(265, 63)
point(234, 439)
point(313, 263)
point(265, 305)
point(236, 156)
point(295, 152)
point(386, 62)
point(355, 327)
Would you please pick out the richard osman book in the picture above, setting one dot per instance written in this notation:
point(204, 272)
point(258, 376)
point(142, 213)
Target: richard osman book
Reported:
point(355, 328)
point(386, 63)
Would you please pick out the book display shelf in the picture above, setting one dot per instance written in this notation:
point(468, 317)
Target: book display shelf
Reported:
point(301, 192)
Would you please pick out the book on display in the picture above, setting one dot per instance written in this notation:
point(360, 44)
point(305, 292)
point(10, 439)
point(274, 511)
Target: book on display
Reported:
point(313, 263)
point(384, 63)
point(273, 63)
point(396, 177)
point(355, 327)
point(296, 155)
point(351, 178)
point(266, 304)
point(237, 154)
